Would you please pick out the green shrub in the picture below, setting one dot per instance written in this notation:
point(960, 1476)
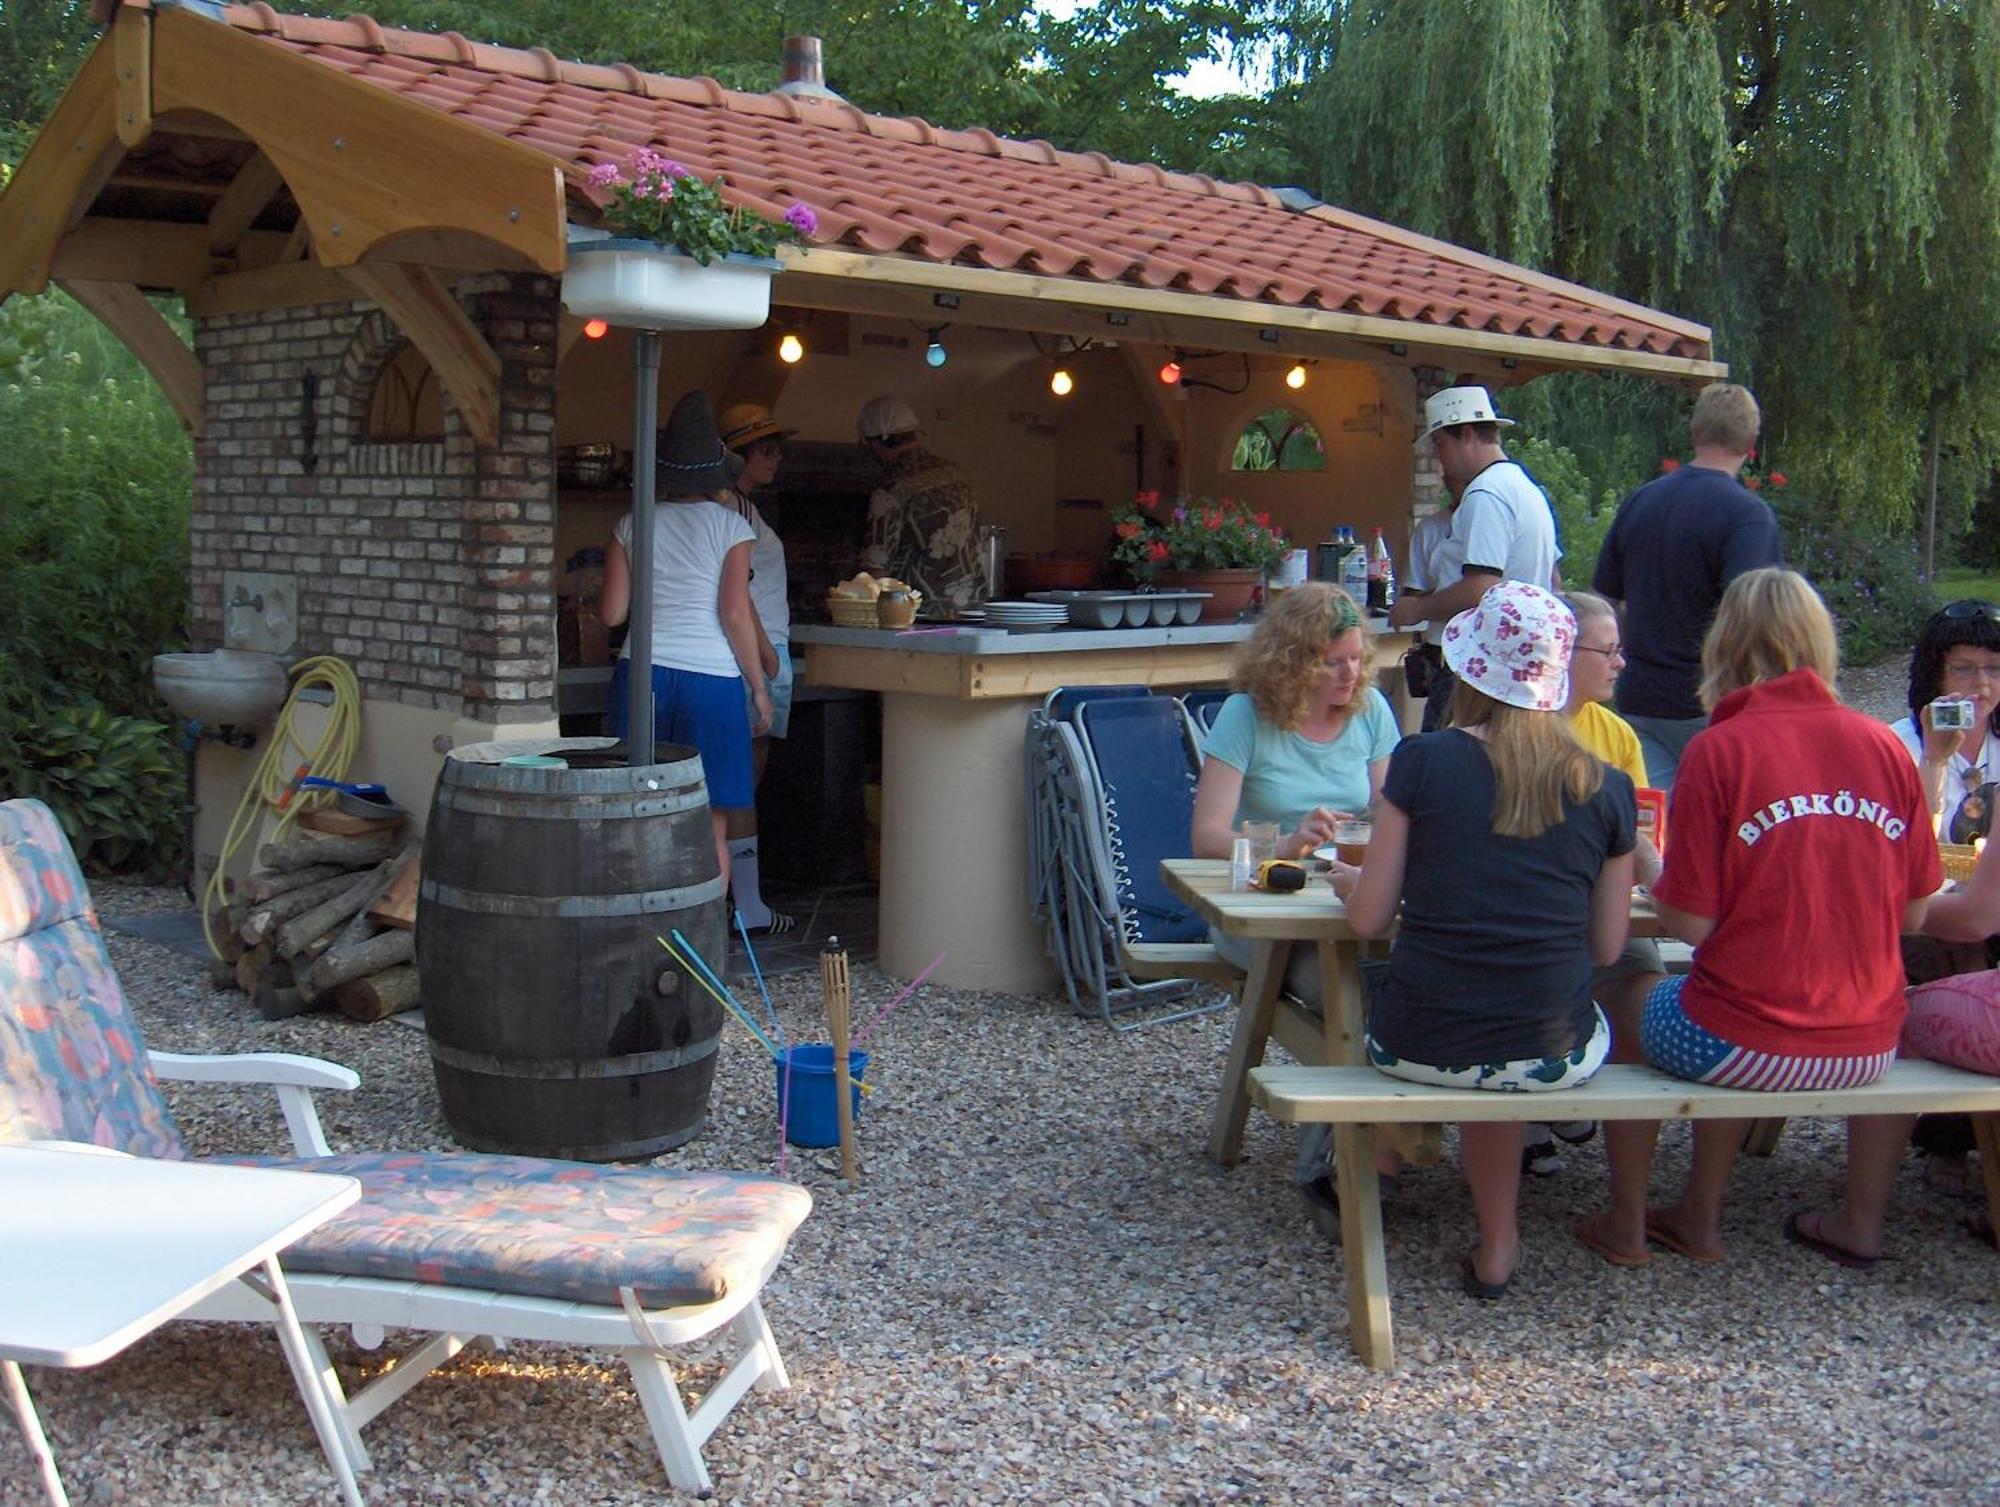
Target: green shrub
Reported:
point(1583, 511)
point(116, 783)
point(1872, 582)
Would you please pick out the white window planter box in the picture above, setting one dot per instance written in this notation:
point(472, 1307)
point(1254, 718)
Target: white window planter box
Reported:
point(650, 286)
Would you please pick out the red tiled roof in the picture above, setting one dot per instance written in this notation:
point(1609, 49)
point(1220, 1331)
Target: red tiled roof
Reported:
point(904, 187)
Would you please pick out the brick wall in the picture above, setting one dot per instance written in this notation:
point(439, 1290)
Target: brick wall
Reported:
point(429, 567)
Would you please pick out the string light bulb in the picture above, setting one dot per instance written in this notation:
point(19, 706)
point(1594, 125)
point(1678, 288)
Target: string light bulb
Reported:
point(935, 354)
point(1170, 374)
point(596, 329)
point(1296, 377)
point(791, 350)
point(1061, 383)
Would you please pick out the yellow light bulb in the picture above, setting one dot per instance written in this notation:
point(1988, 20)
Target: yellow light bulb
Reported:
point(1061, 383)
point(595, 329)
point(1296, 377)
point(791, 350)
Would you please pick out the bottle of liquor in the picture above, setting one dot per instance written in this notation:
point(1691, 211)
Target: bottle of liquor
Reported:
point(1326, 559)
point(1381, 576)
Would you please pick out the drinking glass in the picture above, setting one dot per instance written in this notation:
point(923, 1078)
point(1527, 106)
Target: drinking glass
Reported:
point(1350, 839)
point(1263, 840)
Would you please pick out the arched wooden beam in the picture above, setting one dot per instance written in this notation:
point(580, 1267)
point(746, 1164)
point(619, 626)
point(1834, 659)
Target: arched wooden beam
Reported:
point(424, 309)
point(125, 311)
point(363, 163)
point(70, 159)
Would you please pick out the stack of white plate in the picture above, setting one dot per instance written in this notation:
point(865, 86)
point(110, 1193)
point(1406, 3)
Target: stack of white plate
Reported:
point(1025, 616)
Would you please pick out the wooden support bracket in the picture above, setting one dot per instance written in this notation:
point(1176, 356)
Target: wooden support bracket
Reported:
point(237, 210)
point(124, 311)
point(424, 309)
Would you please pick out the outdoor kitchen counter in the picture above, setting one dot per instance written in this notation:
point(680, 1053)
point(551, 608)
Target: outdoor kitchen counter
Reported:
point(954, 807)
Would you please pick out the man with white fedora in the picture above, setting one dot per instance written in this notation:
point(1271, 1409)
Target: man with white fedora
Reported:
point(1502, 530)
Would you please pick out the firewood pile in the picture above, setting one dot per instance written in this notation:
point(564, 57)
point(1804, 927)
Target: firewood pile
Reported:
point(326, 921)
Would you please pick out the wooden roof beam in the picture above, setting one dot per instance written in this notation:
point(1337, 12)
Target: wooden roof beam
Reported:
point(253, 187)
point(69, 161)
point(125, 311)
point(424, 309)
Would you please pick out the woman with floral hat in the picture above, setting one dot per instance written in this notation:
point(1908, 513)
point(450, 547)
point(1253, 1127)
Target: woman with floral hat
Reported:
point(1507, 845)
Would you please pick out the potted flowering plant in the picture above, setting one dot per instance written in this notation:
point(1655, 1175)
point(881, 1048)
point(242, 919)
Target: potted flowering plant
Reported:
point(1199, 544)
point(678, 256)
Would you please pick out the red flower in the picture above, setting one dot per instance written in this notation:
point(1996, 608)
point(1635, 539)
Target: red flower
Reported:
point(1147, 499)
point(1754, 483)
point(1669, 466)
point(1157, 550)
point(1211, 521)
point(1130, 529)
point(1777, 479)
point(1263, 520)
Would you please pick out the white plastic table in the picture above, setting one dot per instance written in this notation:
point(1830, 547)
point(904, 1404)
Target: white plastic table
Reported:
point(101, 1249)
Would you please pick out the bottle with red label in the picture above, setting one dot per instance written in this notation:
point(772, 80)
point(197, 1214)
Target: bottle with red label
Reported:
point(1381, 576)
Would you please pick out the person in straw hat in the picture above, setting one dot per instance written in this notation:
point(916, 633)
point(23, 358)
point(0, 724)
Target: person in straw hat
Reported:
point(923, 524)
point(709, 687)
point(757, 440)
point(1502, 529)
point(1507, 846)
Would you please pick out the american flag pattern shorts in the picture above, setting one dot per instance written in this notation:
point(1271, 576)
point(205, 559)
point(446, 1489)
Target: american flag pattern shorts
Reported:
point(1674, 1044)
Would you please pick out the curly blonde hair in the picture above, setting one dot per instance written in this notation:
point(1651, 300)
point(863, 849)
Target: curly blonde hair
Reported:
point(1281, 659)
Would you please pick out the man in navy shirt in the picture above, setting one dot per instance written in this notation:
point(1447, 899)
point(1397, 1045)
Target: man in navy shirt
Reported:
point(1675, 545)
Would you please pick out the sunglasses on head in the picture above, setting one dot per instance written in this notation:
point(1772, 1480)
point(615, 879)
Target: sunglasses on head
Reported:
point(1959, 611)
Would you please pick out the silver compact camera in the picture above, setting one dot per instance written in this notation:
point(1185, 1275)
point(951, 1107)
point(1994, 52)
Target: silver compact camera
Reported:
point(1952, 715)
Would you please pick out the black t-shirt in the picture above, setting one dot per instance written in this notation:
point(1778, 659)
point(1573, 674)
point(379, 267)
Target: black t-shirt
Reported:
point(1675, 544)
point(1492, 957)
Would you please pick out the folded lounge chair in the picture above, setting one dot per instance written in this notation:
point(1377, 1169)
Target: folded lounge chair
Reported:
point(465, 1247)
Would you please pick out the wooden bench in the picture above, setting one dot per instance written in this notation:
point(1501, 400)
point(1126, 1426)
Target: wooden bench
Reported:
point(1354, 1100)
point(1179, 960)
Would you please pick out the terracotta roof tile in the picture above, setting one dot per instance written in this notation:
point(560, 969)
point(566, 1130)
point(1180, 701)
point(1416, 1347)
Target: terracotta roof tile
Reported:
point(903, 186)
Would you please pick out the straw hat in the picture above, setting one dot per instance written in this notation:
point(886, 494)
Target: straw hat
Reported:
point(1514, 646)
point(1459, 405)
point(743, 424)
point(886, 417)
point(691, 458)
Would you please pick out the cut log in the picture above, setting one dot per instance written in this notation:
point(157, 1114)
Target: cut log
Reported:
point(322, 918)
point(222, 971)
point(353, 960)
point(278, 996)
point(250, 964)
point(302, 852)
point(397, 905)
point(268, 917)
point(362, 927)
point(262, 887)
point(346, 824)
point(379, 995)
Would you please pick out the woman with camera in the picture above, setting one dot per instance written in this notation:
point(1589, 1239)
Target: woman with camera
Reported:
point(1953, 730)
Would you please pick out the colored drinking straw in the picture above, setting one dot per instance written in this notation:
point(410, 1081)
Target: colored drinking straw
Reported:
point(722, 998)
point(908, 989)
point(758, 973)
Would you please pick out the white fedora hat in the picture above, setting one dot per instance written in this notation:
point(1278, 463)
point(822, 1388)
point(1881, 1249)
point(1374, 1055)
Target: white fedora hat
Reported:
point(1459, 405)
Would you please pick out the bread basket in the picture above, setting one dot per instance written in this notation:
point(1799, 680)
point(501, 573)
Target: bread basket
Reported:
point(1959, 860)
point(848, 612)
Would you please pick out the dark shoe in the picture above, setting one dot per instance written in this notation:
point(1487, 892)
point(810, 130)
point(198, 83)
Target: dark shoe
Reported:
point(1487, 1292)
point(1796, 1232)
point(1541, 1160)
point(1573, 1132)
point(1322, 1206)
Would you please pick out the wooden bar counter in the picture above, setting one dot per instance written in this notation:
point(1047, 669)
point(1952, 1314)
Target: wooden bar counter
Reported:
point(955, 703)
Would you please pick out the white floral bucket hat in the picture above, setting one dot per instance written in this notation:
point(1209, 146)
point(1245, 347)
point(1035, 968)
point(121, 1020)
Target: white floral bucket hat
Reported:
point(1514, 646)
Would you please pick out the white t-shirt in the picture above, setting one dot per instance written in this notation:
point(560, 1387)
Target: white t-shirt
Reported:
point(1420, 574)
point(1503, 523)
point(768, 583)
point(689, 542)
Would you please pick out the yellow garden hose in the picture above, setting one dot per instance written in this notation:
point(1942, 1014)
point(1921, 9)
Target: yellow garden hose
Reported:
point(286, 760)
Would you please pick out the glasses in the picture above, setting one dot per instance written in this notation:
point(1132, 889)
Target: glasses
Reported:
point(1616, 651)
point(1959, 611)
point(1985, 670)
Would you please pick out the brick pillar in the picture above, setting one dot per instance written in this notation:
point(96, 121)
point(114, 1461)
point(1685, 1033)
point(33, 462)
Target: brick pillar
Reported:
point(1426, 475)
point(510, 512)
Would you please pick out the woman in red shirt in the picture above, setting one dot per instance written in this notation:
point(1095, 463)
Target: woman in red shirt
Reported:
point(1802, 851)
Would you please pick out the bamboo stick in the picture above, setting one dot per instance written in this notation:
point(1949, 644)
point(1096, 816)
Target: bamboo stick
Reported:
point(833, 985)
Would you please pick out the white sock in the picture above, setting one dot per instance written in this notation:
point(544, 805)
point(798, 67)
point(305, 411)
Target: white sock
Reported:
point(743, 882)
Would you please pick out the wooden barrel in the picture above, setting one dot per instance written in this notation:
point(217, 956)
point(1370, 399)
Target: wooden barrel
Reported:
point(558, 1025)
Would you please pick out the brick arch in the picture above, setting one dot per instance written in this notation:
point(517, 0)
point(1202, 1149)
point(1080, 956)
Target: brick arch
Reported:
point(375, 341)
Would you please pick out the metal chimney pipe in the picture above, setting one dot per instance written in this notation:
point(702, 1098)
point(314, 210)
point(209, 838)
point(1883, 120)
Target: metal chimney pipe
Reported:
point(804, 70)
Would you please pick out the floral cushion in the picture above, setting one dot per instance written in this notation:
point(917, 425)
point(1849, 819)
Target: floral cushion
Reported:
point(549, 1229)
point(72, 1063)
point(1956, 1020)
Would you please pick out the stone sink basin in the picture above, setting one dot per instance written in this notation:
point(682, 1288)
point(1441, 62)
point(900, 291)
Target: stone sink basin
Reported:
point(222, 688)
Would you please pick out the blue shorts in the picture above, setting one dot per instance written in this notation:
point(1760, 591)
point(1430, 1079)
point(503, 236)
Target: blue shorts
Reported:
point(1676, 1044)
point(709, 713)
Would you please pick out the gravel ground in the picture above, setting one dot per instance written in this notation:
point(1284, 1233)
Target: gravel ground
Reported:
point(1041, 1291)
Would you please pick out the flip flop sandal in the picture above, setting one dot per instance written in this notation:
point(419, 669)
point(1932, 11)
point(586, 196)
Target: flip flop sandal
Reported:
point(1590, 1240)
point(1797, 1234)
point(780, 923)
point(1487, 1292)
point(1659, 1234)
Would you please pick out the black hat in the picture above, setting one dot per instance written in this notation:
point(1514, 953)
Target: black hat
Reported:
point(691, 457)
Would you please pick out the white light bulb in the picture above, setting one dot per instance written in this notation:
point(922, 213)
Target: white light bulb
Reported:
point(1061, 384)
point(791, 350)
point(1295, 378)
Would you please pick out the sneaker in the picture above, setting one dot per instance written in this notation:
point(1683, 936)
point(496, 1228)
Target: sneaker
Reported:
point(1541, 1159)
point(1322, 1206)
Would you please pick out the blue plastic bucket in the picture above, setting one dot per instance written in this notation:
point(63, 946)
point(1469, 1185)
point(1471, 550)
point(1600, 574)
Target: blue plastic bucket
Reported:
point(813, 1116)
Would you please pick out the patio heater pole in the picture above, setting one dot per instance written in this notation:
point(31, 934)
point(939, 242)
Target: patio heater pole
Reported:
point(639, 640)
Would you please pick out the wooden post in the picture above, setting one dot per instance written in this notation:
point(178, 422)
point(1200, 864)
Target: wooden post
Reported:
point(833, 985)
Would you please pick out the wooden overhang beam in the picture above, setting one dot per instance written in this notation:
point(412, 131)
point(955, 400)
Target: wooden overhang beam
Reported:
point(423, 307)
point(253, 187)
point(364, 163)
point(125, 311)
point(69, 161)
point(902, 287)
